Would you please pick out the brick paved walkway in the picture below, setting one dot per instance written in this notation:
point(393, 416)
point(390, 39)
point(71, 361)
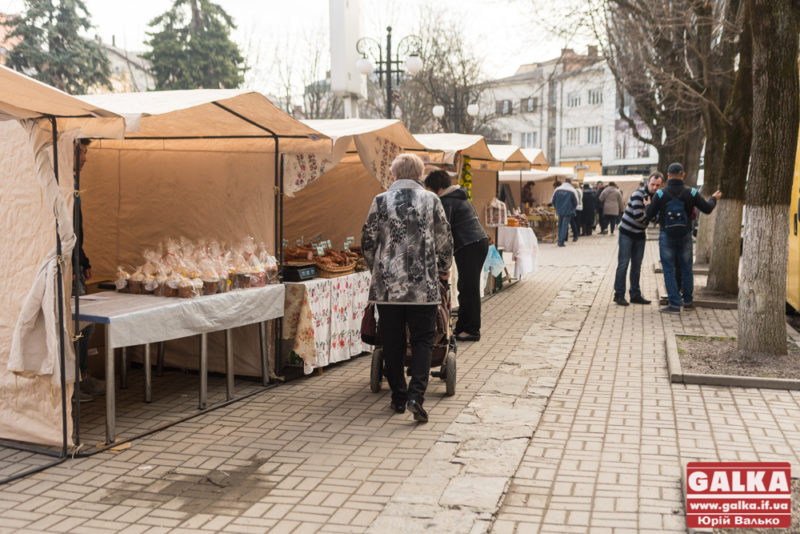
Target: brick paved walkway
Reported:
point(563, 421)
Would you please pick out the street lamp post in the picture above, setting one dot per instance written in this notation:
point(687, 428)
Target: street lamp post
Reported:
point(409, 45)
point(439, 110)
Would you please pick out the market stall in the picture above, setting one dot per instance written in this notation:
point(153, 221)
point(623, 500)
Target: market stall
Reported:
point(202, 169)
point(323, 316)
point(38, 125)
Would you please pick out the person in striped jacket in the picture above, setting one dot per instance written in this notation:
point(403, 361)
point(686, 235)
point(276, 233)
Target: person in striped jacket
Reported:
point(632, 241)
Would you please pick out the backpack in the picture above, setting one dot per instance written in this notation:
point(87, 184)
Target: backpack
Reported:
point(676, 221)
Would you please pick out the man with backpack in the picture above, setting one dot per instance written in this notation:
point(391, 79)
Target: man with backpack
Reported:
point(673, 206)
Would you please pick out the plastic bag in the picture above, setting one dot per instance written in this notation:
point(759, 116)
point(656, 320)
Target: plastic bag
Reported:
point(494, 263)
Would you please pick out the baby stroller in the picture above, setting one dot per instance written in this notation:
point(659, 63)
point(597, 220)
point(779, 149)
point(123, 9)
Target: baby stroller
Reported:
point(443, 354)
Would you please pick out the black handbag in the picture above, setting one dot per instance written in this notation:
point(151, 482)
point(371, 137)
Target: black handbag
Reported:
point(369, 327)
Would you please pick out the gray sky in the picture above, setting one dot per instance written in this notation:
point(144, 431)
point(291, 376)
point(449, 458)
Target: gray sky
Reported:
point(505, 33)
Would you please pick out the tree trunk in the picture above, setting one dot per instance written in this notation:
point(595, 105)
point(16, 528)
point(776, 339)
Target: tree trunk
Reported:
point(762, 287)
point(715, 146)
point(723, 272)
point(706, 226)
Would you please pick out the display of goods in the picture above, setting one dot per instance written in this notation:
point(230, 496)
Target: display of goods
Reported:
point(182, 268)
point(496, 213)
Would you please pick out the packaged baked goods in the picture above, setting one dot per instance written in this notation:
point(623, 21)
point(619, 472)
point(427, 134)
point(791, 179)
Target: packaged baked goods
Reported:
point(136, 282)
point(209, 277)
point(161, 284)
point(186, 288)
point(150, 285)
point(171, 289)
point(121, 282)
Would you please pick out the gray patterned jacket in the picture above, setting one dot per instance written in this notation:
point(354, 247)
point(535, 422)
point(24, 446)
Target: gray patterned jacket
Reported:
point(407, 244)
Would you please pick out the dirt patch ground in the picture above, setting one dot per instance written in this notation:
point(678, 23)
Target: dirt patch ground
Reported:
point(794, 529)
point(719, 356)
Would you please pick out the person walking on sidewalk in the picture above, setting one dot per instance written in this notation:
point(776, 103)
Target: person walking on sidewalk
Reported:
point(632, 240)
point(587, 215)
point(470, 245)
point(565, 200)
point(576, 229)
point(408, 247)
point(611, 200)
point(673, 206)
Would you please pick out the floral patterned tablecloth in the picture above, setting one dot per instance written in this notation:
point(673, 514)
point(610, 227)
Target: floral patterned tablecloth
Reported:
point(323, 318)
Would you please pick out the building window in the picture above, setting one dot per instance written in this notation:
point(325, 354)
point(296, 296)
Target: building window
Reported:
point(529, 105)
point(506, 137)
point(572, 136)
point(594, 135)
point(573, 99)
point(503, 107)
point(529, 140)
point(595, 96)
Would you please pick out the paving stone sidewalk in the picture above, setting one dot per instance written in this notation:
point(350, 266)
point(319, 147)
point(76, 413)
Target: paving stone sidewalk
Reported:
point(563, 420)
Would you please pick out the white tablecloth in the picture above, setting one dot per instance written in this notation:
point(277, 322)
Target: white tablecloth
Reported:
point(522, 243)
point(323, 318)
point(140, 319)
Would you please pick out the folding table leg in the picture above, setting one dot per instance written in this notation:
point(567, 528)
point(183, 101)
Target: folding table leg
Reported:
point(160, 364)
point(148, 386)
point(111, 427)
point(262, 340)
point(203, 371)
point(123, 371)
point(229, 363)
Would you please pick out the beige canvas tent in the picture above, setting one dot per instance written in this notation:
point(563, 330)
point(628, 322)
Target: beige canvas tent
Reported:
point(37, 365)
point(357, 169)
point(204, 165)
point(511, 157)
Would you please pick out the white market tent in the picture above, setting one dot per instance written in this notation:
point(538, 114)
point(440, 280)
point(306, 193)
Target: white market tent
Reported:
point(536, 157)
point(37, 365)
point(333, 196)
point(511, 157)
point(204, 165)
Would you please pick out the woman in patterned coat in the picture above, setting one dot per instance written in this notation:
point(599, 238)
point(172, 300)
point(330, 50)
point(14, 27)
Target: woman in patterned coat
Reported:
point(407, 244)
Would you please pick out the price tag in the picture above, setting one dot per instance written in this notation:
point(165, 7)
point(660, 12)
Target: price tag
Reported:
point(285, 243)
point(320, 250)
point(350, 239)
point(347, 245)
point(299, 242)
point(328, 243)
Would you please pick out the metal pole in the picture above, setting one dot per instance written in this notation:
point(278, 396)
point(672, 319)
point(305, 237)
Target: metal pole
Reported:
point(76, 265)
point(111, 428)
point(148, 377)
point(229, 363)
point(388, 71)
point(203, 402)
point(455, 109)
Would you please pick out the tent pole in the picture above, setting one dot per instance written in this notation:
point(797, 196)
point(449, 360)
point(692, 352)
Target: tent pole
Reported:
point(76, 212)
point(279, 323)
point(60, 284)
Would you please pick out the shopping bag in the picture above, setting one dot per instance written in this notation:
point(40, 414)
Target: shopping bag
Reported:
point(369, 327)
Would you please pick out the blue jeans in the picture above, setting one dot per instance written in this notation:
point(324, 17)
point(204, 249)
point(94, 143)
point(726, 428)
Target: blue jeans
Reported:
point(680, 249)
point(563, 227)
point(631, 251)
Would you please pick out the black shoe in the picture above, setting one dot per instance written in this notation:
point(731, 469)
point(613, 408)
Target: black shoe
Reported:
point(398, 407)
point(420, 415)
point(669, 309)
point(465, 336)
point(575, 238)
point(562, 245)
point(639, 300)
point(689, 306)
point(621, 301)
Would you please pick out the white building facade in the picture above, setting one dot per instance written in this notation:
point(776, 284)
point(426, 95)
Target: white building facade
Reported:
point(567, 107)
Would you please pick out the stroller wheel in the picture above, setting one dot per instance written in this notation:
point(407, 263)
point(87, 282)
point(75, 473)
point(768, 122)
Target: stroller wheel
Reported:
point(376, 370)
point(450, 378)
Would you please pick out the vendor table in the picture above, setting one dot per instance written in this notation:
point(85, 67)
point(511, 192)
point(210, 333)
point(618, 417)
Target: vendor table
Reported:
point(143, 319)
point(522, 243)
point(322, 317)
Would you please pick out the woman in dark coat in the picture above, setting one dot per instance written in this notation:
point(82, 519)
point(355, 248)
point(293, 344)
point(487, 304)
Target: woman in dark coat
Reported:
point(470, 245)
point(589, 208)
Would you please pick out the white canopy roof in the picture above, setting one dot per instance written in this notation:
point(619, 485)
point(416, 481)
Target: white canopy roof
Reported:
point(343, 132)
point(536, 157)
point(206, 114)
point(22, 97)
point(534, 174)
point(511, 156)
point(473, 146)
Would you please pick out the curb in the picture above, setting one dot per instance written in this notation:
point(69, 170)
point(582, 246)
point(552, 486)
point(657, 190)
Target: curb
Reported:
point(676, 374)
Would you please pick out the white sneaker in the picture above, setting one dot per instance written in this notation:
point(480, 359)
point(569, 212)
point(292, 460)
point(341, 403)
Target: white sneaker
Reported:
point(93, 386)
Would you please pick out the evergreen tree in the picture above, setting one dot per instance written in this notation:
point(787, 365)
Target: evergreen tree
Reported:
point(193, 49)
point(52, 48)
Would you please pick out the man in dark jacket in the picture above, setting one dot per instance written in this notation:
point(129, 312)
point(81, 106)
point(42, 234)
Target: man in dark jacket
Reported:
point(588, 213)
point(673, 206)
point(470, 245)
point(565, 200)
point(632, 241)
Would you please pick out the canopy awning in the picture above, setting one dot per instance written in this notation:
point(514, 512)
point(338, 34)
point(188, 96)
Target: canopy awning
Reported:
point(534, 174)
point(451, 144)
point(511, 156)
point(22, 97)
point(209, 114)
point(536, 157)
